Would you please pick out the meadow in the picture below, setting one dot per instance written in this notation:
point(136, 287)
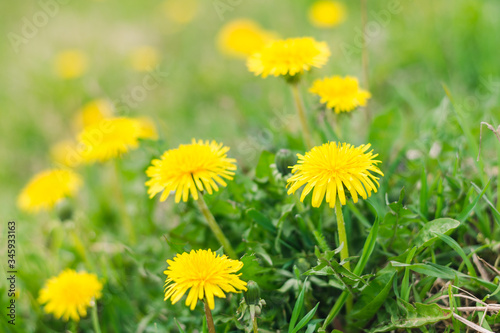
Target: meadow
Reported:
point(201, 132)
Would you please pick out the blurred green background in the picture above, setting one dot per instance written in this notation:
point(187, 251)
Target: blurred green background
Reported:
point(205, 94)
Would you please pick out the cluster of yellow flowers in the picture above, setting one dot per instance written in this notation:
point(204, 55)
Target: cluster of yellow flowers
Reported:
point(101, 137)
point(330, 171)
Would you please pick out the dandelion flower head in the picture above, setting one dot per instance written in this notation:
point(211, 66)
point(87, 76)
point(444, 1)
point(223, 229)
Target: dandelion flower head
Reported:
point(327, 13)
point(110, 138)
point(340, 94)
point(289, 57)
point(93, 112)
point(242, 37)
point(70, 64)
point(190, 168)
point(205, 273)
point(330, 169)
point(69, 294)
point(47, 188)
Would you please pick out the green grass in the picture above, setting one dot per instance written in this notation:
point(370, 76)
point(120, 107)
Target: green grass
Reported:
point(433, 72)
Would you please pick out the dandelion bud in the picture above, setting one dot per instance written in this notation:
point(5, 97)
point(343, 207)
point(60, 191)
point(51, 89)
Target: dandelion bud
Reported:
point(252, 295)
point(285, 159)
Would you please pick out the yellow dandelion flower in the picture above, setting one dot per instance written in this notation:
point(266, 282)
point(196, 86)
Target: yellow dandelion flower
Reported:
point(289, 57)
point(110, 138)
point(93, 112)
point(47, 188)
point(69, 294)
point(242, 37)
point(65, 153)
point(189, 168)
point(340, 94)
point(206, 273)
point(327, 13)
point(144, 58)
point(331, 168)
point(181, 11)
point(70, 64)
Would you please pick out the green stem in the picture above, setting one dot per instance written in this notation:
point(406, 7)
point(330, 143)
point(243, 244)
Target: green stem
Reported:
point(210, 320)
point(95, 319)
point(344, 253)
point(127, 222)
point(212, 223)
point(302, 115)
point(255, 328)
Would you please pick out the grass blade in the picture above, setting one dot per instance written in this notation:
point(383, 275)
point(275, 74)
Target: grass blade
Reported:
point(306, 319)
point(297, 308)
point(455, 246)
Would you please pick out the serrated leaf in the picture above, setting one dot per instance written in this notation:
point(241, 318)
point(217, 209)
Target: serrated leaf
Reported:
point(428, 234)
point(415, 316)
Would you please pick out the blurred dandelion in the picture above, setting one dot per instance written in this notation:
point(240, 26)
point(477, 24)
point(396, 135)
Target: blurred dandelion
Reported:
point(93, 112)
point(191, 169)
point(181, 11)
point(70, 64)
point(340, 94)
point(327, 13)
point(207, 275)
point(144, 58)
point(243, 37)
point(69, 294)
point(289, 57)
point(47, 188)
point(110, 138)
point(329, 170)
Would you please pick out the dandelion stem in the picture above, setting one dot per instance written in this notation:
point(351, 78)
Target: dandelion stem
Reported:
point(255, 327)
point(210, 320)
point(95, 319)
point(212, 223)
point(129, 226)
point(302, 115)
point(344, 253)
